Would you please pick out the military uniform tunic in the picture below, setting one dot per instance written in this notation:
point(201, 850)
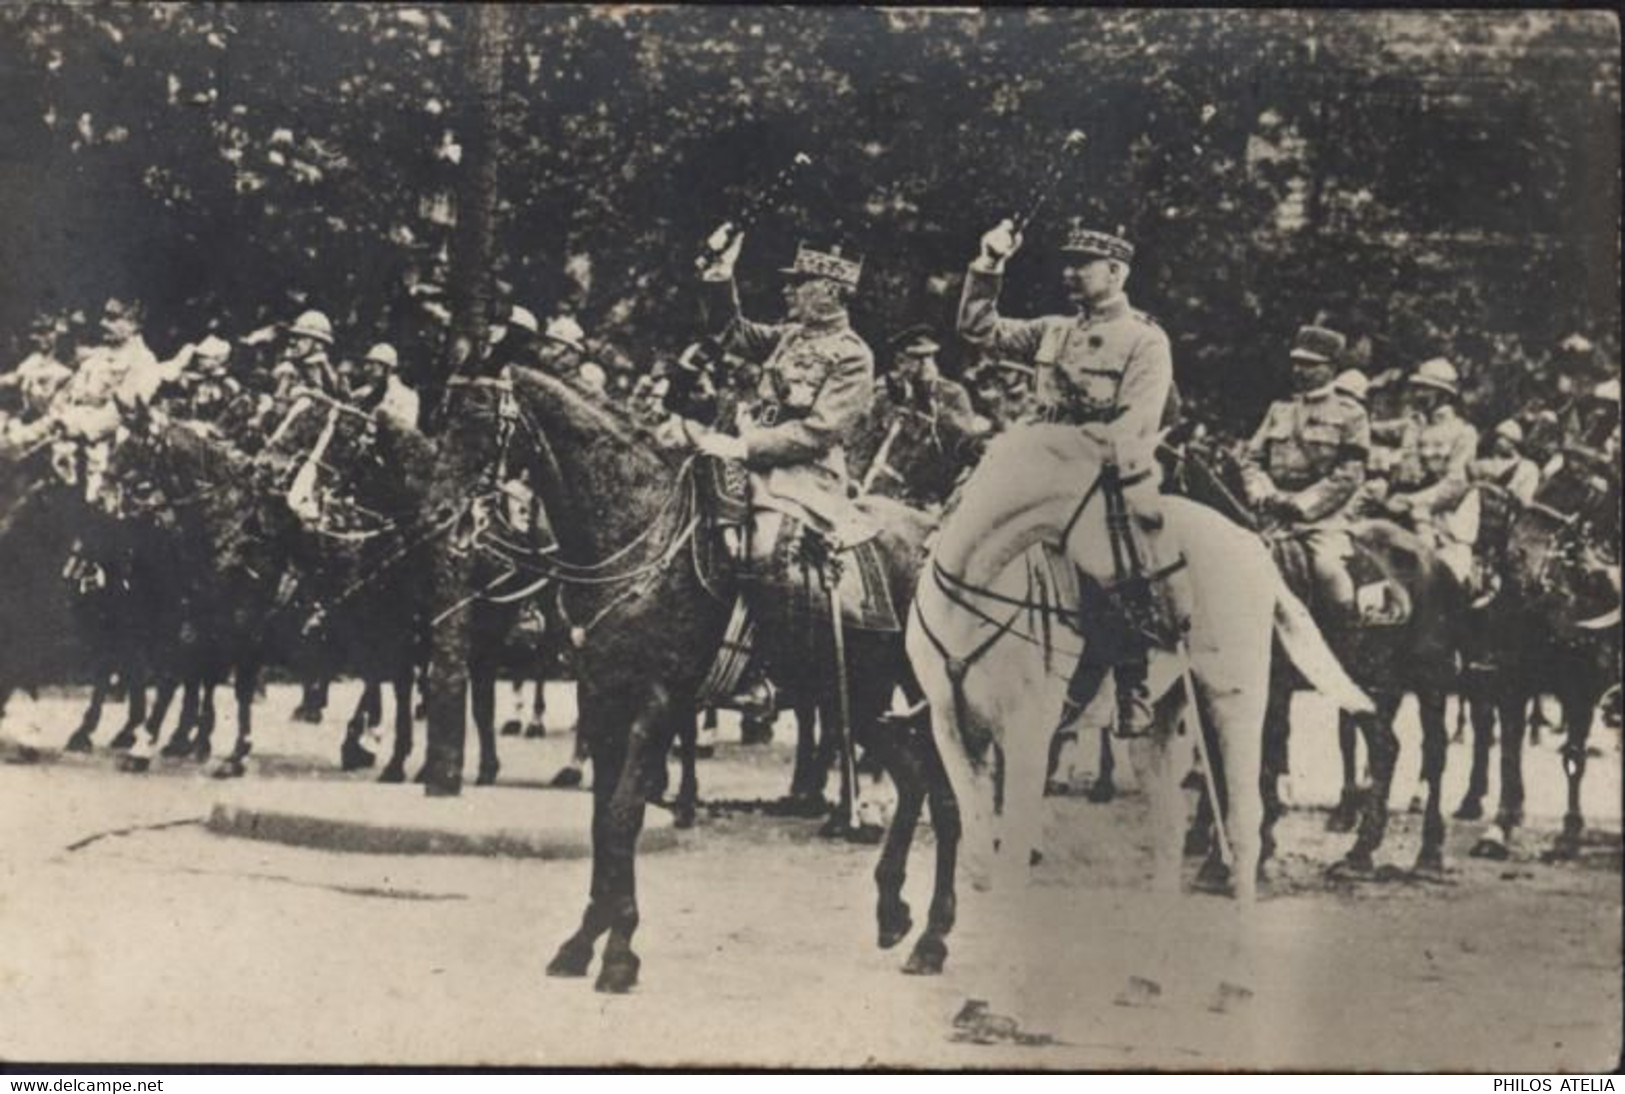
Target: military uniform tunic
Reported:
point(1312, 447)
point(1110, 364)
point(817, 385)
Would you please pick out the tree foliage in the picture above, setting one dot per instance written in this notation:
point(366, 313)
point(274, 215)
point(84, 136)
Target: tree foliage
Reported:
point(1429, 182)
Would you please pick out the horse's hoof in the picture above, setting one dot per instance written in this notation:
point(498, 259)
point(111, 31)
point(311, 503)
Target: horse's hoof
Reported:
point(1416, 806)
point(511, 728)
point(125, 739)
point(1470, 809)
point(1139, 992)
point(805, 804)
point(176, 748)
point(567, 778)
point(79, 742)
point(487, 775)
point(202, 750)
point(1102, 791)
point(1490, 848)
point(230, 768)
point(683, 815)
point(535, 731)
point(895, 924)
point(1353, 864)
point(355, 758)
point(1213, 876)
point(135, 765)
point(930, 953)
point(1430, 862)
point(308, 715)
point(619, 974)
point(1346, 814)
point(393, 772)
point(573, 959)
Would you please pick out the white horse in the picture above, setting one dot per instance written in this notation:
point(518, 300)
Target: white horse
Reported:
point(975, 613)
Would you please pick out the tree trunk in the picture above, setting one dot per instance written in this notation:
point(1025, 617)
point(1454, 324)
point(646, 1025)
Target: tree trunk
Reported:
point(472, 285)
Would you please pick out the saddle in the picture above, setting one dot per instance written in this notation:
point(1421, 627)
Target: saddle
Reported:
point(1373, 596)
point(781, 557)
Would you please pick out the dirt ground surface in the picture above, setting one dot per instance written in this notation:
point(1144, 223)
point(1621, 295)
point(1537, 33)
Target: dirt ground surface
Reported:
point(130, 933)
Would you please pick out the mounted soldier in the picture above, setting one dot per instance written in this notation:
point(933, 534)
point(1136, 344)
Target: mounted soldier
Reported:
point(1108, 369)
point(304, 359)
point(1305, 465)
point(817, 384)
point(381, 389)
point(1430, 484)
point(921, 431)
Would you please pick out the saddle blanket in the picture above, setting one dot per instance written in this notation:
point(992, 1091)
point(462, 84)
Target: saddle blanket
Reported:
point(786, 586)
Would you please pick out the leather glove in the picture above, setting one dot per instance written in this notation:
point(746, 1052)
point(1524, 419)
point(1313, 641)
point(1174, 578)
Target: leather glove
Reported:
point(998, 245)
point(721, 445)
point(727, 251)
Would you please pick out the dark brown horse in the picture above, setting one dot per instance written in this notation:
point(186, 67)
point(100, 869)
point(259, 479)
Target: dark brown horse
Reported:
point(1546, 630)
point(1414, 653)
point(646, 627)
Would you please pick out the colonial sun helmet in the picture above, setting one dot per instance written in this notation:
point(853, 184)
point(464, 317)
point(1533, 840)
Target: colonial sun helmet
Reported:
point(1438, 374)
point(313, 324)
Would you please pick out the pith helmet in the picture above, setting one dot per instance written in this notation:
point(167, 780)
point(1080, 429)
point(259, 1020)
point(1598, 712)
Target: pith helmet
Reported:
point(384, 354)
point(1439, 374)
point(313, 324)
point(1353, 383)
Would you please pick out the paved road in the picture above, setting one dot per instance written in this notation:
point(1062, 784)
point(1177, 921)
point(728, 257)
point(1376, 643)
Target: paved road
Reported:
point(129, 933)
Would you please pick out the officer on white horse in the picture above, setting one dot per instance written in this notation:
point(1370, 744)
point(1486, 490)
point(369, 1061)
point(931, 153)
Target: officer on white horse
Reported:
point(1107, 369)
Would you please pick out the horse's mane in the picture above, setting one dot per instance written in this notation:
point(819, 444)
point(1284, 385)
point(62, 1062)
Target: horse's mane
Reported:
point(596, 420)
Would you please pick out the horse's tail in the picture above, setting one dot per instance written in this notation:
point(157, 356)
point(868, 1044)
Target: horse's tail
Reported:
point(1309, 653)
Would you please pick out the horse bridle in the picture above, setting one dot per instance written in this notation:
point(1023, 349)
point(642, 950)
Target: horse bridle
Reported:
point(959, 591)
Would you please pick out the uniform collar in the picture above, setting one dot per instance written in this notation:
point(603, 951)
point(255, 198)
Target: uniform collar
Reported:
point(827, 324)
point(1322, 392)
point(1114, 308)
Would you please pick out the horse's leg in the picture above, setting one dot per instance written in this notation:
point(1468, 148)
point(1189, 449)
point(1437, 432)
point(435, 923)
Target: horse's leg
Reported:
point(1577, 702)
point(202, 743)
point(482, 692)
point(135, 716)
point(931, 948)
point(1104, 788)
point(570, 774)
point(537, 726)
point(1273, 758)
point(80, 741)
point(977, 829)
point(1382, 746)
point(1021, 841)
point(892, 914)
point(1479, 701)
point(650, 734)
point(1435, 745)
point(401, 749)
point(180, 741)
point(809, 773)
point(140, 755)
point(688, 786)
point(1347, 813)
point(1155, 758)
point(353, 754)
point(245, 684)
point(574, 957)
point(1511, 707)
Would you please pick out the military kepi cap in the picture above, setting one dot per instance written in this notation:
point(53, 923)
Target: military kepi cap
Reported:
point(916, 339)
point(830, 264)
point(1090, 241)
point(1317, 344)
